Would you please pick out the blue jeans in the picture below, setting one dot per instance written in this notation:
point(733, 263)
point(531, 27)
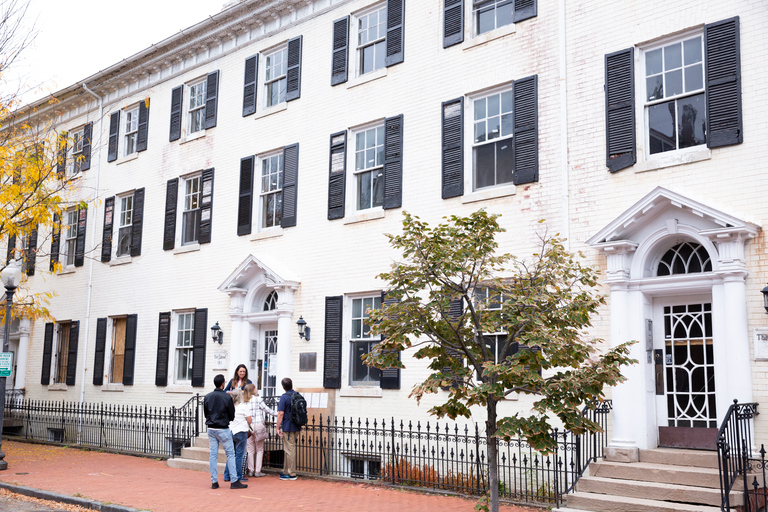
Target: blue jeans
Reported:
point(223, 436)
point(240, 439)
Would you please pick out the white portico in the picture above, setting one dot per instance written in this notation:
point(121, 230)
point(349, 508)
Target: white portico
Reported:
point(676, 270)
point(261, 316)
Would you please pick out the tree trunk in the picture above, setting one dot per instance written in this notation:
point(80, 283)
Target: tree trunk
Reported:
point(493, 454)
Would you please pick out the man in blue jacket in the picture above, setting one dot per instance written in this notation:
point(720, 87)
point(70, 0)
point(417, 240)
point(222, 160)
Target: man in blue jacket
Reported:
point(288, 431)
point(219, 410)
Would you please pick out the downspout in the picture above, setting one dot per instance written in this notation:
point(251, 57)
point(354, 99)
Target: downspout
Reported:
point(97, 161)
point(563, 77)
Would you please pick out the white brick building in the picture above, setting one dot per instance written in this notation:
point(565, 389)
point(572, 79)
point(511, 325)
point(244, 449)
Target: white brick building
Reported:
point(244, 170)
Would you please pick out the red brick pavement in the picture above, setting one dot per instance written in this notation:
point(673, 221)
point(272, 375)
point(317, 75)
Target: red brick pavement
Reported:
point(150, 484)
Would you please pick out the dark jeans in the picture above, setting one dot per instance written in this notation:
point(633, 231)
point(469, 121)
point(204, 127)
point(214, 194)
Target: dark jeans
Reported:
point(240, 439)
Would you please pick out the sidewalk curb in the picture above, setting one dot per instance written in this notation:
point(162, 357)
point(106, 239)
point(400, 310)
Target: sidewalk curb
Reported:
point(63, 498)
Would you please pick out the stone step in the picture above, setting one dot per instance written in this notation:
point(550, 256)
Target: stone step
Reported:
point(604, 503)
point(662, 473)
point(196, 465)
point(655, 490)
point(680, 457)
point(204, 454)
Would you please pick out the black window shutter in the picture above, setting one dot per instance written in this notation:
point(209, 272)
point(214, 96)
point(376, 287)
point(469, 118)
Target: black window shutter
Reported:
point(98, 353)
point(290, 181)
point(55, 241)
point(176, 105)
point(340, 51)
point(74, 333)
point(114, 135)
point(143, 127)
point(211, 99)
point(524, 9)
point(337, 175)
point(82, 216)
point(85, 164)
point(106, 235)
point(332, 350)
point(198, 347)
point(11, 249)
point(245, 200)
point(390, 377)
point(525, 153)
point(249, 88)
point(163, 346)
point(61, 158)
point(723, 83)
point(395, 32)
point(206, 207)
point(293, 71)
point(453, 22)
point(453, 148)
point(169, 231)
point(30, 253)
point(130, 349)
point(138, 221)
point(45, 377)
point(393, 162)
point(620, 135)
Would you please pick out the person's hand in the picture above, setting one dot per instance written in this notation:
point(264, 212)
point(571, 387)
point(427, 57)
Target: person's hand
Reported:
point(280, 432)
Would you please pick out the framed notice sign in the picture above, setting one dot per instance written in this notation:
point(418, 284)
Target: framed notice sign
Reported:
point(6, 364)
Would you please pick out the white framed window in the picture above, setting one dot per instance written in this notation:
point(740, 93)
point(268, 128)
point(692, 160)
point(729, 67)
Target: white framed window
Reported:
point(362, 341)
point(62, 353)
point(492, 14)
point(674, 99)
point(190, 221)
point(183, 348)
point(196, 106)
point(271, 190)
point(369, 166)
point(365, 467)
point(77, 151)
point(124, 224)
point(130, 129)
point(371, 35)
point(275, 80)
point(117, 350)
point(69, 232)
point(492, 125)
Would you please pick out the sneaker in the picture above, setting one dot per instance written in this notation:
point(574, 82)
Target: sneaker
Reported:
point(258, 475)
point(237, 484)
point(243, 480)
point(288, 477)
point(215, 485)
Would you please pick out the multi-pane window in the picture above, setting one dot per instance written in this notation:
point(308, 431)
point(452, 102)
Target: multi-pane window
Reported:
point(190, 230)
point(271, 190)
point(371, 40)
point(77, 151)
point(183, 350)
point(117, 354)
point(362, 340)
point(275, 76)
point(674, 96)
point(131, 130)
point(196, 107)
point(493, 14)
point(125, 223)
point(62, 354)
point(70, 237)
point(492, 146)
point(369, 167)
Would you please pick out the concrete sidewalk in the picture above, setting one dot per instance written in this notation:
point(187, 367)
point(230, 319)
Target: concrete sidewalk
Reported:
point(148, 484)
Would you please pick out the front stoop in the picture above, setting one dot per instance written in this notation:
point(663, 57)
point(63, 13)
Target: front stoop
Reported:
point(664, 480)
point(197, 457)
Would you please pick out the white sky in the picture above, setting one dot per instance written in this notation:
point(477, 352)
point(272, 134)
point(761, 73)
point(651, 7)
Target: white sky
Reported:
point(77, 38)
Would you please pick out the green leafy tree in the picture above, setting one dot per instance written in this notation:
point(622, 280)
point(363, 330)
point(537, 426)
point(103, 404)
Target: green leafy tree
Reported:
point(451, 288)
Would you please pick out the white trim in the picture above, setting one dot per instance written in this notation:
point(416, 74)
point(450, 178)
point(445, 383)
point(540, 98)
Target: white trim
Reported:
point(271, 110)
point(368, 77)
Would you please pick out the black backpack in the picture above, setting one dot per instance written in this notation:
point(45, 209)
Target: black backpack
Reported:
point(298, 410)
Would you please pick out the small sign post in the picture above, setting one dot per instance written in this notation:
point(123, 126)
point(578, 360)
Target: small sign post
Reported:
point(6, 364)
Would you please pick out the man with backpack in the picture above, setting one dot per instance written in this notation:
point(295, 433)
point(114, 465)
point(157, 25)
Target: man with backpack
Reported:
point(291, 416)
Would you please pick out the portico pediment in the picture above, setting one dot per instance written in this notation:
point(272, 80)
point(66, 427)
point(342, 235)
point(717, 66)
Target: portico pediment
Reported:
point(253, 271)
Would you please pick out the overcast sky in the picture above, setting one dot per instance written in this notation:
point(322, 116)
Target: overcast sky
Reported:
point(77, 38)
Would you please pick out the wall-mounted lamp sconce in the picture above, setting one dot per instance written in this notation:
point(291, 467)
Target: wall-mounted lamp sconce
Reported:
point(764, 291)
point(303, 328)
point(217, 334)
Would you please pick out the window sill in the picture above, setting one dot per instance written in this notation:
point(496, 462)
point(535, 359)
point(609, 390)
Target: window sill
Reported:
point(66, 270)
point(674, 158)
point(364, 215)
point(489, 36)
point(179, 388)
point(189, 138)
point(490, 193)
point(368, 77)
point(128, 158)
point(187, 248)
point(361, 391)
point(271, 110)
point(267, 233)
point(122, 260)
point(57, 387)
point(113, 387)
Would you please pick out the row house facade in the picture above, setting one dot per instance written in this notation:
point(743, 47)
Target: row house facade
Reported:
point(243, 172)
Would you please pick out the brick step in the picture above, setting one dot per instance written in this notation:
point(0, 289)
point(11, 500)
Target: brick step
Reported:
point(619, 489)
point(605, 503)
point(679, 457)
point(661, 473)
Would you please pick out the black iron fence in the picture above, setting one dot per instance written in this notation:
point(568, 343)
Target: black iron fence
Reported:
point(740, 468)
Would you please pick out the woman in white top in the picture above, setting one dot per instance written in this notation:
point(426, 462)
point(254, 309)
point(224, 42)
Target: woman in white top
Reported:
point(239, 427)
point(257, 410)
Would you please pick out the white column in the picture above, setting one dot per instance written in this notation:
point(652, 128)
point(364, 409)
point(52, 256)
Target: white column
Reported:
point(239, 337)
point(22, 354)
point(284, 335)
point(737, 362)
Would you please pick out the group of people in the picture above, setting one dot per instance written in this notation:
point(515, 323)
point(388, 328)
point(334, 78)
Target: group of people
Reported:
point(235, 416)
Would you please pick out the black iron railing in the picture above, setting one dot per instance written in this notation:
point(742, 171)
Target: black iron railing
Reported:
point(735, 459)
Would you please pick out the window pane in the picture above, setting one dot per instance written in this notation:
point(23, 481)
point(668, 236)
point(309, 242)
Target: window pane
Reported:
point(661, 119)
point(379, 53)
point(654, 86)
point(357, 308)
point(359, 141)
point(674, 82)
point(484, 166)
point(370, 138)
point(493, 127)
point(504, 161)
point(507, 125)
point(673, 56)
point(360, 160)
point(506, 102)
point(124, 241)
point(366, 57)
point(359, 370)
point(378, 188)
point(480, 131)
point(691, 120)
point(505, 14)
point(364, 191)
point(480, 109)
point(493, 105)
point(694, 79)
point(692, 50)
point(653, 63)
point(485, 20)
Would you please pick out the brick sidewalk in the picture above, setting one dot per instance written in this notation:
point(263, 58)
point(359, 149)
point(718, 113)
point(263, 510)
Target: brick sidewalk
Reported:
point(149, 484)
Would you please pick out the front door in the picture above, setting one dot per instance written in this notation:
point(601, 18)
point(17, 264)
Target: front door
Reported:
point(686, 402)
point(269, 373)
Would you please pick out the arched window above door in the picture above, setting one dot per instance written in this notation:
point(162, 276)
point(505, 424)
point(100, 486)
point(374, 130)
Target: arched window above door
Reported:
point(684, 258)
point(270, 303)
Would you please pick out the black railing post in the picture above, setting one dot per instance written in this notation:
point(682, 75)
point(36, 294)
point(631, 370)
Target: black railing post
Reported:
point(477, 458)
point(393, 451)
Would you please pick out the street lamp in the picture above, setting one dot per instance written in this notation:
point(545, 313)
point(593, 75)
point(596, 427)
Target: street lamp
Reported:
point(11, 276)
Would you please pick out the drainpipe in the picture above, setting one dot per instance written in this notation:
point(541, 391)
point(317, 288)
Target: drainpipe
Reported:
point(563, 78)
